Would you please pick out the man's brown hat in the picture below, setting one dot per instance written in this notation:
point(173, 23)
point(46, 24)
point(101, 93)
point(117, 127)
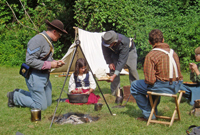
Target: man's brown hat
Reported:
point(57, 24)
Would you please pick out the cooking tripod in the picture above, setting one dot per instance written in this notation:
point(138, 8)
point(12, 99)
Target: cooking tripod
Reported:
point(76, 47)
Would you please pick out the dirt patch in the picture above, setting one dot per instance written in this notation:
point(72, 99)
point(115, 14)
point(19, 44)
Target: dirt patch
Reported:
point(109, 98)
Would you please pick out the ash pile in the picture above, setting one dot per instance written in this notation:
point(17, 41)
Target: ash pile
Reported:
point(75, 118)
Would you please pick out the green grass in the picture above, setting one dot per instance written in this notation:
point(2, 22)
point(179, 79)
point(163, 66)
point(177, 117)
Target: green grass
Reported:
point(13, 120)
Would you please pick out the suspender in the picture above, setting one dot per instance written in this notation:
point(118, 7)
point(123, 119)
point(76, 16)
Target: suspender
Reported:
point(51, 50)
point(51, 46)
point(172, 63)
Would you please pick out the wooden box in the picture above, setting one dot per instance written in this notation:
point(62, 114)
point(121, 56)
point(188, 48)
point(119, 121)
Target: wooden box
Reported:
point(127, 94)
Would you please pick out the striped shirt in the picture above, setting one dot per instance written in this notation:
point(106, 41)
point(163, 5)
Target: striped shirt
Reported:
point(156, 65)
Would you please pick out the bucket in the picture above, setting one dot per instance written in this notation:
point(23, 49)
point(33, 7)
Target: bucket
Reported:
point(98, 106)
point(35, 115)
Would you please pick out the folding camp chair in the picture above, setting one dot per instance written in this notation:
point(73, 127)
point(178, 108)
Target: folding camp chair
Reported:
point(153, 105)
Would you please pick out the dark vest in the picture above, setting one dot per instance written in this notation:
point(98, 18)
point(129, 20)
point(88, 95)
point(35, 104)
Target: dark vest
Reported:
point(85, 81)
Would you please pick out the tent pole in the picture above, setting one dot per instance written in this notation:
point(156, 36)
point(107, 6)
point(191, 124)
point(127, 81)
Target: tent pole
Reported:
point(76, 32)
point(64, 85)
point(78, 43)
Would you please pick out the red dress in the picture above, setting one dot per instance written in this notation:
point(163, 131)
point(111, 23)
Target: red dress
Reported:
point(92, 99)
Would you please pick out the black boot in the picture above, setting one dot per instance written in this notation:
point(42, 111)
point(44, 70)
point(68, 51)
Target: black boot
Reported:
point(10, 99)
point(119, 97)
point(119, 100)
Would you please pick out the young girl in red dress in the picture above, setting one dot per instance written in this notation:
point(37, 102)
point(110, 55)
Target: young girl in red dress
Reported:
point(82, 81)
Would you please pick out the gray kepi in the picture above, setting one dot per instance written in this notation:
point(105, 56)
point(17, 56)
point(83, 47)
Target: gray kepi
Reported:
point(109, 37)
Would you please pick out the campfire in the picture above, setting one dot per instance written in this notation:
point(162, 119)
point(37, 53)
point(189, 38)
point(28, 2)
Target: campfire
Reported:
point(74, 118)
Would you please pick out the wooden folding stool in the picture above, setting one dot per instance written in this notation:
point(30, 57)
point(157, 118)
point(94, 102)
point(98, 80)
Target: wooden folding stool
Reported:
point(153, 105)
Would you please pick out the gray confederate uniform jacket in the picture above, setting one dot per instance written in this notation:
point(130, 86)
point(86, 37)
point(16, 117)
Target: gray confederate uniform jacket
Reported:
point(38, 48)
point(119, 52)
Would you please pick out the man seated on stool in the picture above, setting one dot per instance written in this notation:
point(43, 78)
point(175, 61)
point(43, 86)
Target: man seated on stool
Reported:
point(193, 91)
point(157, 74)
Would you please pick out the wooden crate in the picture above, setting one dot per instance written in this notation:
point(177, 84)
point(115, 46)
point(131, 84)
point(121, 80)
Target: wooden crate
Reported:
point(127, 93)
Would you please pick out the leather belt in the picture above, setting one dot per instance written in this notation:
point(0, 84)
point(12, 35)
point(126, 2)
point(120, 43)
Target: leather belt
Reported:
point(41, 71)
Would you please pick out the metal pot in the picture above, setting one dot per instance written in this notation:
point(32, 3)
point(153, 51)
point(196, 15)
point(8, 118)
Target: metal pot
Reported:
point(78, 98)
point(98, 106)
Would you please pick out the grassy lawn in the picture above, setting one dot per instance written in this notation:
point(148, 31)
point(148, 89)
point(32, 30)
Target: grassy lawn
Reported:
point(13, 120)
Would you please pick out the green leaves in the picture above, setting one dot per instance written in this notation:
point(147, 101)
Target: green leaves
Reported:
point(179, 21)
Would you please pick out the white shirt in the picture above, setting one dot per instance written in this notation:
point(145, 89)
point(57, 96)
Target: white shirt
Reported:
point(72, 84)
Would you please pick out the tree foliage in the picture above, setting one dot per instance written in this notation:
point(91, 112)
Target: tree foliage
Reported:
point(21, 20)
point(178, 20)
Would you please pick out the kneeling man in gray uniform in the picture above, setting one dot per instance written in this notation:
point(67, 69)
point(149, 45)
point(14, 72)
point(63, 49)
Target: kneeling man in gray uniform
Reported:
point(39, 57)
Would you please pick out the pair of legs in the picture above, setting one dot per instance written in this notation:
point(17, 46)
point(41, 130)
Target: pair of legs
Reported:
point(132, 67)
point(192, 93)
point(139, 91)
point(40, 92)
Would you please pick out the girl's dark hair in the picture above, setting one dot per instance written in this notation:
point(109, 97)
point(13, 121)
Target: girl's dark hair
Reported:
point(79, 64)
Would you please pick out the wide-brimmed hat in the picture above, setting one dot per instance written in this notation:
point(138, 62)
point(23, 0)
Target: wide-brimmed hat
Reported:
point(109, 37)
point(57, 24)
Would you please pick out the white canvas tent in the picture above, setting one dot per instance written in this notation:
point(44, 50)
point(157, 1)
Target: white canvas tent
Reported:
point(91, 47)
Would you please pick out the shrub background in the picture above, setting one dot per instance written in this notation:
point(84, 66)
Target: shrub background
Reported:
point(179, 21)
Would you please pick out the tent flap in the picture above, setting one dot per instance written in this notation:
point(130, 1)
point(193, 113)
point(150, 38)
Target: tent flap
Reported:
point(91, 47)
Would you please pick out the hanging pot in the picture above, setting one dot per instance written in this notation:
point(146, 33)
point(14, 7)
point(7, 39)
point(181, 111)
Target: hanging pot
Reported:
point(78, 98)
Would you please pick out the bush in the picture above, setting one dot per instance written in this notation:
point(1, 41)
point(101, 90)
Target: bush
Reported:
point(12, 53)
point(17, 33)
point(179, 21)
